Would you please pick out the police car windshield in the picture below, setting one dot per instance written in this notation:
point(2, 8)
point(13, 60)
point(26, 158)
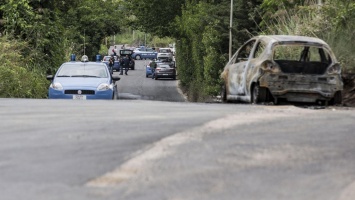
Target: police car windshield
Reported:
point(83, 70)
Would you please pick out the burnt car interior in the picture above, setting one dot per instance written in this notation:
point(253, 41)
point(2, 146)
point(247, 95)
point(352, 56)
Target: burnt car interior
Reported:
point(302, 59)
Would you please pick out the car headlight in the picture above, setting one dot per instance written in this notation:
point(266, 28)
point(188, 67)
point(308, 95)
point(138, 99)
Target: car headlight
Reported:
point(270, 66)
point(105, 86)
point(334, 69)
point(56, 86)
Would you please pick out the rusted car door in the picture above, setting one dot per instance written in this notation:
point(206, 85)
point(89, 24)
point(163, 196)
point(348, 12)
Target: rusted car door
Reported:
point(237, 73)
point(253, 65)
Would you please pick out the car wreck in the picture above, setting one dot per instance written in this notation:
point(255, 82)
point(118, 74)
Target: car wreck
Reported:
point(274, 68)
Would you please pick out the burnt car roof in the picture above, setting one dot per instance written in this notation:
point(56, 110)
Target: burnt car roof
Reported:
point(290, 38)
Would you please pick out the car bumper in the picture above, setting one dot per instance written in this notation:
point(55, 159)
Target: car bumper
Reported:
point(165, 75)
point(60, 94)
point(302, 88)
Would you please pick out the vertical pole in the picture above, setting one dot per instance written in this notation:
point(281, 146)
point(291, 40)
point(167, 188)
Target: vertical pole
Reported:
point(84, 41)
point(230, 31)
point(145, 39)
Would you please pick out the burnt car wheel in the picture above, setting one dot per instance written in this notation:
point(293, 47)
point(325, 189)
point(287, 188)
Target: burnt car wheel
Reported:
point(259, 94)
point(224, 94)
point(337, 99)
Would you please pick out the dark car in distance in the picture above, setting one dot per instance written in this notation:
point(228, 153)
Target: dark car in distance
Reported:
point(165, 70)
point(123, 53)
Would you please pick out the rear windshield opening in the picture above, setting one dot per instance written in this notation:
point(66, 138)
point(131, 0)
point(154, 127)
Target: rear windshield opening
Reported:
point(301, 59)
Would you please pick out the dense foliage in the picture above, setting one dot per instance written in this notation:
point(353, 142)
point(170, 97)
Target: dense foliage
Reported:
point(50, 31)
point(203, 50)
point(332, 21)
point(17, 80)
point(38, 35)
point(201, 30)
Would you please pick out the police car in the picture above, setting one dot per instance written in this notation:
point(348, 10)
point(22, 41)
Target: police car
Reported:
point(144, 53)
point(83, 80)
point(116, 66)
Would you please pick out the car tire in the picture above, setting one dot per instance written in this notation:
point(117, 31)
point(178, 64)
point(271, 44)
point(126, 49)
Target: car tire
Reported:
point(259, 94)
point(156, 78)
point(337, 99)
point(131, 65)
point(138, 57)
point(224, 94)
point(115, 94)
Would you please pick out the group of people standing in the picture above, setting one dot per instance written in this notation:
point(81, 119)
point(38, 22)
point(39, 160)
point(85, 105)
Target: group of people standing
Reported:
point(124, 63)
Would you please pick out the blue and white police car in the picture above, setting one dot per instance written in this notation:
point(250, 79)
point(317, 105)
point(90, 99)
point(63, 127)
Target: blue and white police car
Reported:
point(83, 80)
point(146, 53)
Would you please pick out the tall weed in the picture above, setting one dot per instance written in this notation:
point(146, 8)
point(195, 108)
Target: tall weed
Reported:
point(319, 21)
point(17, 80)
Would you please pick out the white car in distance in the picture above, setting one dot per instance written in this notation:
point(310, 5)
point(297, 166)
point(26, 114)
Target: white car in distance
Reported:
point(165, 54)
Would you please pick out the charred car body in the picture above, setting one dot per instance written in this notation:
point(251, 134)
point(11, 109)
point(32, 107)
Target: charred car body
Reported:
point(279, 67)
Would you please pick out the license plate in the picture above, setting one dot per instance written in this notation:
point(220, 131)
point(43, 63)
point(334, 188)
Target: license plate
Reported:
point(79, 97)
point(165, 74)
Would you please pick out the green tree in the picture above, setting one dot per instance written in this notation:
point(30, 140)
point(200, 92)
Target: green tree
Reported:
point(52, 30)
point(154, 16)
point(95, 21)
point(203, 42)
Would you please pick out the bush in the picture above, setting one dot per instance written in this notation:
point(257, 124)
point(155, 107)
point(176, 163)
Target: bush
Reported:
point(17, 79)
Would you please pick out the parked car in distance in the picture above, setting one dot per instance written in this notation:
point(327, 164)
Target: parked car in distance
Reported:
point(148, 70)
point(123, 53)
point(146, 53)
point(83, 80)
point(165, 70)
point(271, 68)
point(165, 53)
point(116, 66)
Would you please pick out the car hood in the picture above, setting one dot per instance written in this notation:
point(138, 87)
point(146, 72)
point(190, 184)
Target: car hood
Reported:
point(69, 82)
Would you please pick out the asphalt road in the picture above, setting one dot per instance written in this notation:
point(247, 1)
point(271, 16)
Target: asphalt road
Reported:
point(146, 148)
point(137, 86)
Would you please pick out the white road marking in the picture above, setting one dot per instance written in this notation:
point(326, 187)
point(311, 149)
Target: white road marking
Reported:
point(164, 147)
point(348, 193)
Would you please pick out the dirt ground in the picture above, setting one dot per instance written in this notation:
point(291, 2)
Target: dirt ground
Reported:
point(349, 90)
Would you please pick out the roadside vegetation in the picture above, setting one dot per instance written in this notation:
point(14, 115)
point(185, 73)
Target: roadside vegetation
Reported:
point(202, 33)
point(37, 36)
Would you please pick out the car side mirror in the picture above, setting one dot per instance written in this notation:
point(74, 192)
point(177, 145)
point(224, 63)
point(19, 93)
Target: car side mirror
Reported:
point(50, 77)
point(115, 78)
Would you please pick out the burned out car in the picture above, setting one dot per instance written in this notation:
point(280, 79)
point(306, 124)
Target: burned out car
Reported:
point(271, 68)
